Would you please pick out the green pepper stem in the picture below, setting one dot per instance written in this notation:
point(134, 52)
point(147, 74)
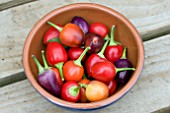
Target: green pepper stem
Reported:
point(40, 68)
point(124, 69)
point(112, 41)
point(74, 90)
point(46, 66)
point(83, 85)
point(54, 40)
point(124, 53)
point(60, 68)
point(78, 61)
point(57, 40)
point(55, 26)
point(117, 43)
point(106, 37)
point(101, 53)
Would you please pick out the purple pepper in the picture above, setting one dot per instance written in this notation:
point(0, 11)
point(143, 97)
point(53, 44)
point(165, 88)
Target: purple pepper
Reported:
point(123, 76)
point(48, 81)
point(79, 21)
point(47, 78)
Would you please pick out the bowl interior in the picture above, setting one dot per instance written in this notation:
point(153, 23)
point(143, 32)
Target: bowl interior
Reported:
point(91, 13)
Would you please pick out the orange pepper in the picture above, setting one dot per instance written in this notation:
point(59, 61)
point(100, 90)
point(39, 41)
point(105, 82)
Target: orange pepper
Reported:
point(70, 35)
point(73, 69)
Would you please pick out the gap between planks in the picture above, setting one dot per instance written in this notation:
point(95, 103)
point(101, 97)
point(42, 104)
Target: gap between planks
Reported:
point(163, 110)
point(13, 3)
point(10, 79)
point(156, 36)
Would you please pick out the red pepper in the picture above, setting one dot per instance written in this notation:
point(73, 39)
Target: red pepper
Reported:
point(56, 55)
point(51, 34)
point(83, 97)
point(73, 70)
point(94, 58)
point(74, 53)
point(99, 29)
point(112, 85)
point(70, 35)
point(70, 91)
point(105, 71)
point(114, 50)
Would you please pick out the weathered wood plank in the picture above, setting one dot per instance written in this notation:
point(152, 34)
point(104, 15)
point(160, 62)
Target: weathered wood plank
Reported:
point(163, 110)
point(6, 4)
point(151, 92)
point(4, 1)
point(151, 18)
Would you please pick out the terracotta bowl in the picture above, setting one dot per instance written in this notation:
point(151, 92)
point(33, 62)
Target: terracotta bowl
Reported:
point(125, 33)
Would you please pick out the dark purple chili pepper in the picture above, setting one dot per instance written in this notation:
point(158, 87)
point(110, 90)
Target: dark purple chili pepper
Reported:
point(48, 78)
point(79, 21)
point(95, 41)
point(123, 76)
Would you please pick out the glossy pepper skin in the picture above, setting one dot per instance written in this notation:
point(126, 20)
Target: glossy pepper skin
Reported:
point(81, 22)
point(73, 70)
point(55, 53)
point(103, 71)
point(56, 56)
point(75, 52)
point(112, 85)
point(114, 50)
point(70, 35)
point(57, 75)
point(70, 91)
point(48, 81)
point(94, 41)
point(83, 97)
point(99, 29)
point(94, 58)
point(124, 76)
point(96, 90)
point(51, 33)
point(106, 71)
point(48, 78)
point(55, 70)
point(113, 53)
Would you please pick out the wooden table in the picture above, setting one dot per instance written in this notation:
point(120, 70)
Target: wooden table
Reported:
point(152, 91)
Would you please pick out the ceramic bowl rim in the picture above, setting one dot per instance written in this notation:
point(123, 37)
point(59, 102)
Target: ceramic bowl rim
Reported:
point(92, 105)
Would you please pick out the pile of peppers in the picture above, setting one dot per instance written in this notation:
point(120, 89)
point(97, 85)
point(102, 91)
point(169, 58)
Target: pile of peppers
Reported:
point(82, 62)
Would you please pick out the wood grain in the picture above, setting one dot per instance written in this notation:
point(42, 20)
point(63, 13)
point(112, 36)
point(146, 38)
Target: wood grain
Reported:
point(6, 4)
point(4, 1)
point(163, 110)
point(151, 18)
point(150, 93)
